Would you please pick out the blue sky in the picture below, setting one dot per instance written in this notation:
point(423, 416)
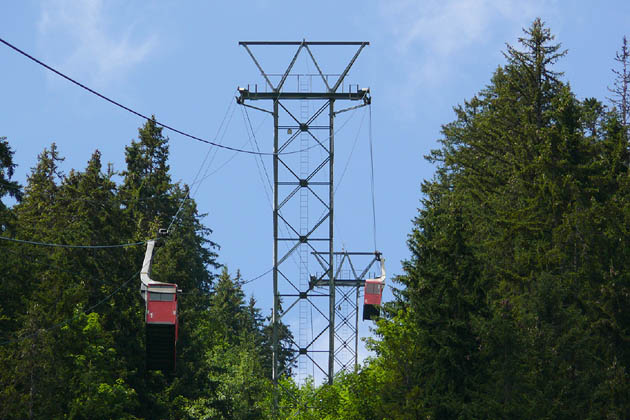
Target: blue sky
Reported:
point(181, 61)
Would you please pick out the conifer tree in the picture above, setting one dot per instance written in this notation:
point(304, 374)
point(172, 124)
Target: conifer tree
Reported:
point(67, 356)
point(152, 202)
point(8, 306)
point(621, 85)
point(147, 189)
point(497, 314)
point(7, 187)
point(235, 384)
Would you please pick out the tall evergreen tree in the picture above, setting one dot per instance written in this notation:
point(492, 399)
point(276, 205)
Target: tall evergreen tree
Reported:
point(8, 305)
point(147, 188)
point(151, 201)
point(621, 85)
point(235, 383)
point(7, 186)
point(33, 292)
point(498, 312)
point(72, 331)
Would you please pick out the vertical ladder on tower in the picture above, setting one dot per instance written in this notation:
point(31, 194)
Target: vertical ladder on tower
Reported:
point(304, 85)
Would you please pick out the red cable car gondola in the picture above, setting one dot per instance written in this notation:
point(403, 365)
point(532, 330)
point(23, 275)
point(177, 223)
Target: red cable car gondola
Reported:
point(373, 293)
point(161, 317)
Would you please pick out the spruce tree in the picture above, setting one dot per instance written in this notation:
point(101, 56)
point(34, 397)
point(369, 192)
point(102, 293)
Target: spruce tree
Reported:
point(504, 287)
point(621, 85)
point(7, 186)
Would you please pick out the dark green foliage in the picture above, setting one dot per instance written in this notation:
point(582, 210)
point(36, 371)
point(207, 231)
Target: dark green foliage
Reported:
point(7, 187)
point(235, 384)
point(518, 247)
point(73, 320)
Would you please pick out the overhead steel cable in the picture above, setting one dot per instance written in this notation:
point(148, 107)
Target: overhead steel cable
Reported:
point(372, 178)
point(354, 144)
point(126, 108)
point(203, 163)
point(242, 283)
point(343, 173)
point(21, 241)
point(253, 279)
point(197, 181)
point(252, 138)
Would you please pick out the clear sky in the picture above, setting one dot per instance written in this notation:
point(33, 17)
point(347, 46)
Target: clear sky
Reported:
point(181, 61)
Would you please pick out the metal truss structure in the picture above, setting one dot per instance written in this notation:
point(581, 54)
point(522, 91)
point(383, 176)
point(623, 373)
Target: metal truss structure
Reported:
point(303, 169)
point(351, 269)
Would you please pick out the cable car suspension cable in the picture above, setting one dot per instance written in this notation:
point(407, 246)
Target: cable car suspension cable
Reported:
point(4, 238)
point(203, 163)
point(132, 111)
point(372, 178)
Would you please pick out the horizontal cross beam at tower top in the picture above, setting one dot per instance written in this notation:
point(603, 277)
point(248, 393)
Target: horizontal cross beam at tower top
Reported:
point(365, 43)
point(304, 45)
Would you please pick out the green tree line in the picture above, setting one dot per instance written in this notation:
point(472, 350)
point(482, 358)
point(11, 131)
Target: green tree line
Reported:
point(72, 320)
point(514, 302)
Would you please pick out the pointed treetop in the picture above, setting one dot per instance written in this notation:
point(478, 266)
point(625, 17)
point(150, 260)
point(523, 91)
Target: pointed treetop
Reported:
point(531, 68)
point(47, 169)
point(538, 53)
point(7, 168)
point(621, 85)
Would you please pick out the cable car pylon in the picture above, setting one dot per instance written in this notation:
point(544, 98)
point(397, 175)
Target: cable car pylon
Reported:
point(330, 97)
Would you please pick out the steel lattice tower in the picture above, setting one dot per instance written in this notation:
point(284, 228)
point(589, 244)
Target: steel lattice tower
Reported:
point(308, 235)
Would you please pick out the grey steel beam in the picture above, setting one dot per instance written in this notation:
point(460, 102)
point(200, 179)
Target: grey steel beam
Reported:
point(259, 67)
point(349, 253)
point(276, 298)
point(365, 103)
point(305, 240)
point(304, 74)
point(290, 114)
point(365, 43)
point(356, 323)
point(331, 213)
point(347, 69)
point(350, 96)
point(255, 107)
point(291, 183)
point(341, 283)
point(317, 66)
point(297, 127)
point(286, 73)
point(246, 94)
